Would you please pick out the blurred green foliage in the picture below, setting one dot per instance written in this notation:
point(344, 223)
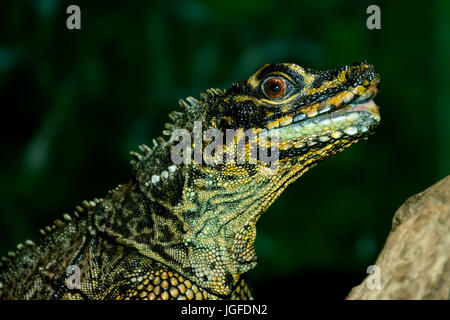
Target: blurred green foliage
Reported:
point(75, 102)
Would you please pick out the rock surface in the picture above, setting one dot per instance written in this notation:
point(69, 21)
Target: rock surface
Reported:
point(415, 261)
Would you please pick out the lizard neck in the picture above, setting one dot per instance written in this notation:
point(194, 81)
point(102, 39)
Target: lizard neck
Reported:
point(196, 232)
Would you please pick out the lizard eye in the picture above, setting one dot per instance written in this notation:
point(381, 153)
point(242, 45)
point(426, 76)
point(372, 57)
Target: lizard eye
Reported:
point(274, 87)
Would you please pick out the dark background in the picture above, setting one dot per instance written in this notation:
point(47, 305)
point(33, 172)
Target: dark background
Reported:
point(75, 102)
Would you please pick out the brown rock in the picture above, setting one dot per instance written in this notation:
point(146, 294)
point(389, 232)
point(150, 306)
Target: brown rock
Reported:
point(414, 263)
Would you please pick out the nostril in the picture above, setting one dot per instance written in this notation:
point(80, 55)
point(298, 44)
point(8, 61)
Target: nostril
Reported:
point(369, 73)
point(359, 72)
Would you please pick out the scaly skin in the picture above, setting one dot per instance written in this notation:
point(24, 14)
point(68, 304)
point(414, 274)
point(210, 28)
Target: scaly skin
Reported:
point(187, 231)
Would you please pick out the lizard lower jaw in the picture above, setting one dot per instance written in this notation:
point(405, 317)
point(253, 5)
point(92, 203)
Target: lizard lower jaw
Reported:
point(351, 121)
point(367, 106)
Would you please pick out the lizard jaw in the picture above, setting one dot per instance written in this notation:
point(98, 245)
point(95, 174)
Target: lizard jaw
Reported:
point(353, 118)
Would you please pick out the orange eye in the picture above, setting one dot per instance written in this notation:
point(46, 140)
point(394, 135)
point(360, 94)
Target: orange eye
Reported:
point(274, 87)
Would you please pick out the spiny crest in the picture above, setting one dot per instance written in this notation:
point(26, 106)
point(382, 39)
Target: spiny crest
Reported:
point(190, 104)
point(20, 247)
point(58, 223)
point(152, 156)
point(155, 161)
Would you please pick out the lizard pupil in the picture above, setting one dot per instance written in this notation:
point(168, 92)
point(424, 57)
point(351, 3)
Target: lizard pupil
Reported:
point(273, 87)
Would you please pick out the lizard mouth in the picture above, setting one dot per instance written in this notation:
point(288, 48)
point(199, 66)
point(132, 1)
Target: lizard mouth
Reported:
point(348, 115)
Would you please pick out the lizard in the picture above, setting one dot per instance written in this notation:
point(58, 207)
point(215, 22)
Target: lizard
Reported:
point(187, 231)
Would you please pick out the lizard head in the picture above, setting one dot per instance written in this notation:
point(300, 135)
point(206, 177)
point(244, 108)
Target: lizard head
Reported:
point(208, 210)
point(308, 109)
